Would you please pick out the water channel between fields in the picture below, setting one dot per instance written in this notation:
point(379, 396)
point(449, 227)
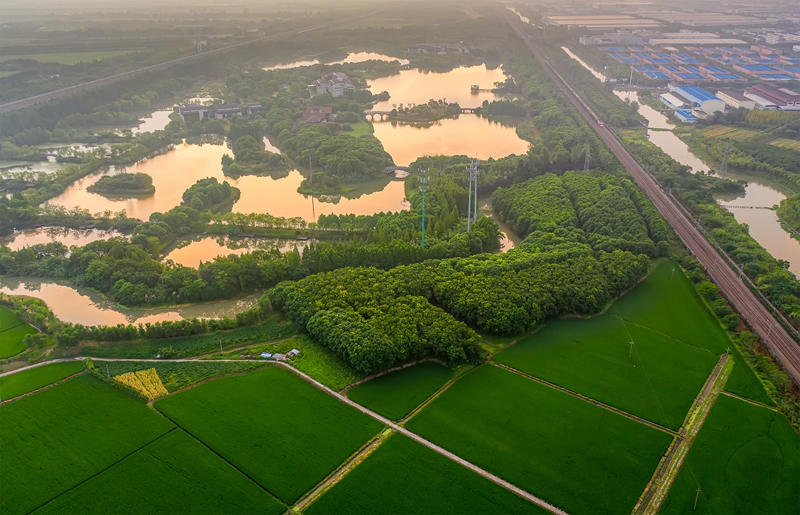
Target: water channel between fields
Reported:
point(761, 190)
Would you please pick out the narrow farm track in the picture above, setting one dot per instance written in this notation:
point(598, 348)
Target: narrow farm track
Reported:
point(588, 399)
point(430, 445)
point(775, 336)
point(750, 401)
point(44, 97)
point(668, 468)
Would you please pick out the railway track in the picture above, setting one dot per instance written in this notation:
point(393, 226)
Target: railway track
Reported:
point(778, 340)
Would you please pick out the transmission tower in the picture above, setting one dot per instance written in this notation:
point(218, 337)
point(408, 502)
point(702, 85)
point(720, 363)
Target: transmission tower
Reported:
point(586, 163)
point(121, 168)
point(723, 167)
point(472, 210)
point(423, 181)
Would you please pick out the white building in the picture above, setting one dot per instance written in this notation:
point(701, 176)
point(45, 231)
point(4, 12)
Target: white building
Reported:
point(736, 100)
point(335, 83)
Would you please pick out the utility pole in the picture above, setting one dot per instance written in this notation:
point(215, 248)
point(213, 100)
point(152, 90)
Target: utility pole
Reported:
point(769, 331)
point(630, 353)
point(220, 347)
point(475, 204)
point(696, 497)
point(631, 79)
point(673, 274)
point(423, 188)
point(469, 197)
point(108, 374)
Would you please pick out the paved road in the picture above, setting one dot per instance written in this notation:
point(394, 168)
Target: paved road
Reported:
point(776, 338)
point(44, 97)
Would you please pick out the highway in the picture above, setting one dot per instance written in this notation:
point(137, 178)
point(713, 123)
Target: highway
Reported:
point(44, 97)
point(775, 337)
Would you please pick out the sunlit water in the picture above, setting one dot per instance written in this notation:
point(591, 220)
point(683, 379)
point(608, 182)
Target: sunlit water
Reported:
point(356, 57)
point(192, 252)
point(69, 237)
point(83, 306)
point(155, 122)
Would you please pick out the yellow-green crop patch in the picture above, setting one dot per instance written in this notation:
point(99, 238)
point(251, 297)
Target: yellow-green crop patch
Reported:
point(69, 58)
point(173, 474)
point(717, 131)
point(786, 143)
point(60, 437)
point(279, 430)
point(396, 394)
point(569, 452)
point(746, 459)
point(403, 477)
point(26, 381)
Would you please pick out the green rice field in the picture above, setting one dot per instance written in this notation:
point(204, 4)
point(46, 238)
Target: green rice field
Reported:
point(746, 459)
point(404, 477)
point(273, 426)
point(69, 58)
point(658, 382)
point(60, 437)
point(26, 381)
point(12, 331)
point(173, 474)
point(669, 305)
point(569, 452)
point(396, 394)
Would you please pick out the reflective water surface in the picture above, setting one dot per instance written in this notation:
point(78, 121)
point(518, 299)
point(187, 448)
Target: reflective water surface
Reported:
point(69, 237)
point(83, 306)
point(202, 249)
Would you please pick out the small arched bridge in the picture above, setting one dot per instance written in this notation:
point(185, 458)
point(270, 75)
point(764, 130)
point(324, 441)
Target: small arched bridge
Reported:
point(392, 169)
point(380, 114)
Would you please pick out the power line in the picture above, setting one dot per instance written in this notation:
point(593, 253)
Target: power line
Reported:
point(423, 188)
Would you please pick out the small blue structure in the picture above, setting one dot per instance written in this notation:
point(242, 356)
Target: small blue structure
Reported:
point(685, 116)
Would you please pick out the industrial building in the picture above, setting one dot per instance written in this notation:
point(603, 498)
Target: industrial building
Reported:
point(769, 94)
point(735, 100)
point(699, 97)
point(598, 21)
point(674, 101)
point(685, 116)
point(335, 83)
point(619, 38)
point(218, 111)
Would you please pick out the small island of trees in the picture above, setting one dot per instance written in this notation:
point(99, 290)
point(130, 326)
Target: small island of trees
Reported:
point(124, 185)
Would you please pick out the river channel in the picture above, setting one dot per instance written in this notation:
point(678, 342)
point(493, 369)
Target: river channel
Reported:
point(760, 192)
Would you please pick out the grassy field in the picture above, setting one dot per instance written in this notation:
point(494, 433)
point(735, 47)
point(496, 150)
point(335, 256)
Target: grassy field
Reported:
point(403, 477)
point(577, 456)
point(360, 129)
point(69, 58)
point(276, 428)
point(176, 375)
point(271, 329)
point(658, 382)
point(12, 331)
point(397, 393)
point(669, 305)
point(746, 459)
point(173, 474)
point(35, 378)
point(314, 359)
point(54, 440)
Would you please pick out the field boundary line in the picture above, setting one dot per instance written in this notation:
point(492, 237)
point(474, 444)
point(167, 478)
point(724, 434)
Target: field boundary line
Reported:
point(342, 470)
point(657, 488)
point(751, 401)
point(597, 403)
point(347, 388)
point(45, 387)
point(433, 397)
point(432, 446)
point(129, 455)
point(201, 442)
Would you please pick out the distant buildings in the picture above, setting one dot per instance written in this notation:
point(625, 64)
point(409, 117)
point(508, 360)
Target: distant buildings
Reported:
point(685, 116)
point(598, 21)
point(699, 98)
point(769, 96)
point(316, 114)
point(736, 100)
point(437, 49)
point(218, 111)
point(619, 38)
point(335, 83)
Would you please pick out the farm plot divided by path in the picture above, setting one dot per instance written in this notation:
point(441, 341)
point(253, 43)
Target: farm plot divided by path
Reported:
point(403, 477)
point(746, 459)
point(12, 331)
point(29, 380)
point(56, 439)
point(273, 426)
point(397, 393)
point(571, 453)
point(173, 474)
